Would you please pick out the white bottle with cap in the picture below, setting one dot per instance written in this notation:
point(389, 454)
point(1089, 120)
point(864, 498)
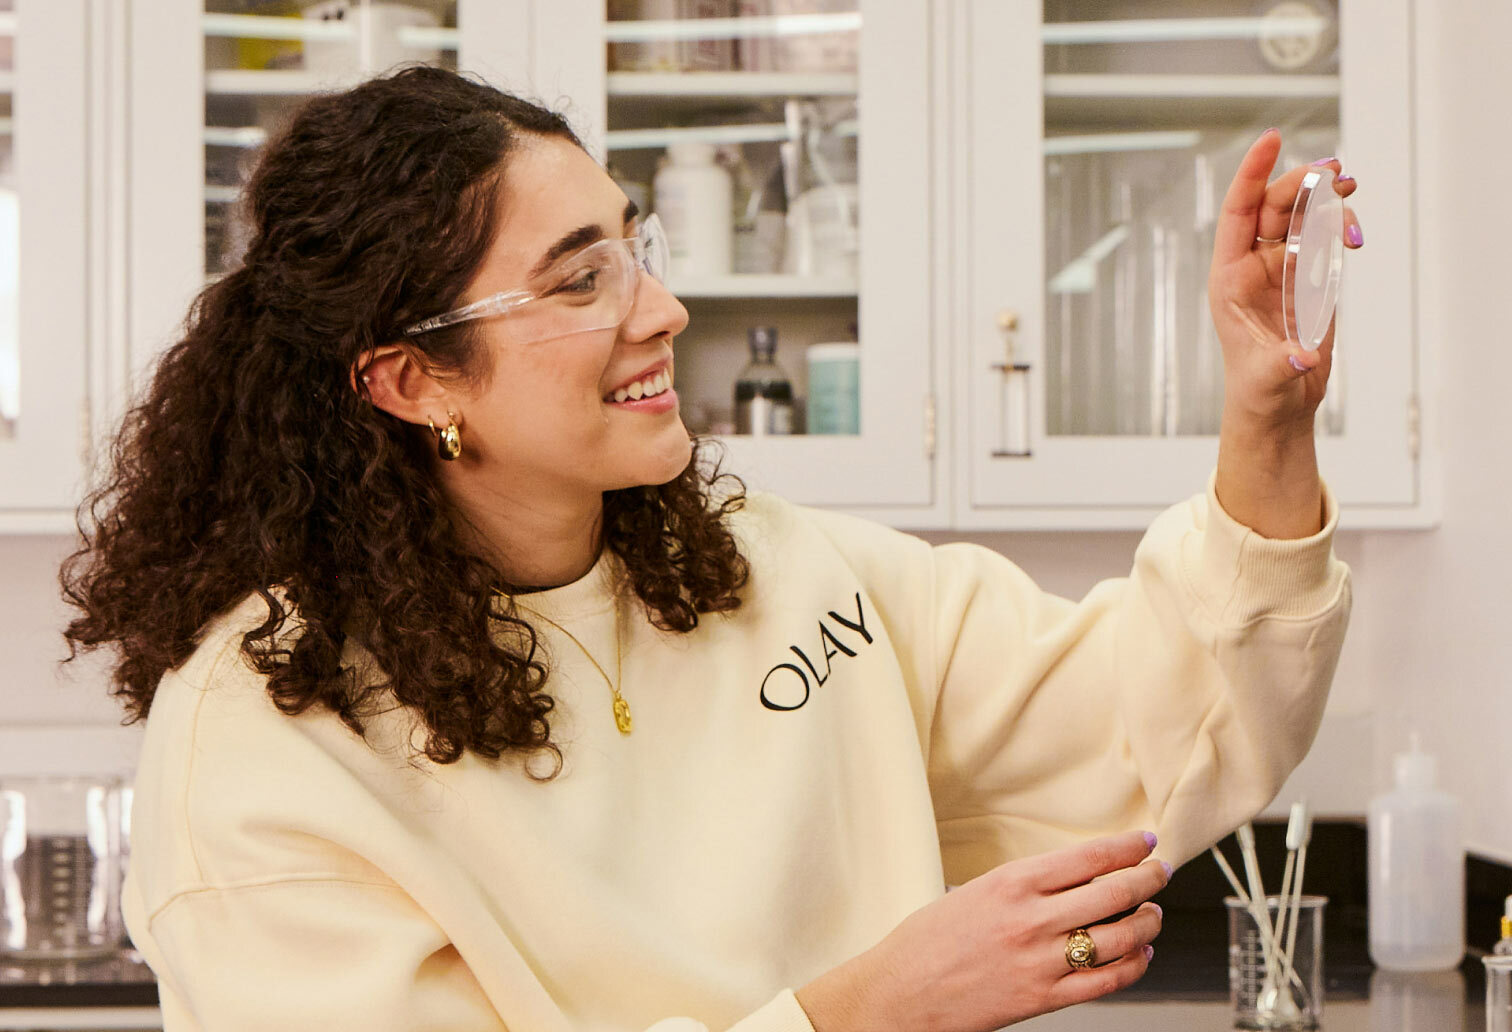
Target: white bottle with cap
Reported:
point(693, 195)
point(1417, 871)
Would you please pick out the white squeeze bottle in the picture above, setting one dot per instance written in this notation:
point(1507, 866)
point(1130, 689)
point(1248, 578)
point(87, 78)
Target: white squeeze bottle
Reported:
point(693, 196)
point(1417, 871)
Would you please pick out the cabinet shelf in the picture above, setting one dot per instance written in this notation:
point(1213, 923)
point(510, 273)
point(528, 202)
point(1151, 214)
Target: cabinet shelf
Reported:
point(1180, 30)
point(1163, 102)
point(741, 133)
point(634, 31)
point(278, 82)
point(1186, 87)
point(259, 26)
point(747, 285)
point(731, 85)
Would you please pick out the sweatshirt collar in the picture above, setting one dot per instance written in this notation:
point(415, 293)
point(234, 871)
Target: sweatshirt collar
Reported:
point(591, 593)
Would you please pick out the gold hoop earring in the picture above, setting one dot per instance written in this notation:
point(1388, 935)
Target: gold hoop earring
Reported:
point(449, 440)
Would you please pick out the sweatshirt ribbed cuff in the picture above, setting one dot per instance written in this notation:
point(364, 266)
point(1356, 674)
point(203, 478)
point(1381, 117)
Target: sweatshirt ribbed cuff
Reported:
point(1243, 576)
point(782, 1014)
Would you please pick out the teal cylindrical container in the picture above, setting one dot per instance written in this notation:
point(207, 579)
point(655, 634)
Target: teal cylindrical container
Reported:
point(834, 388)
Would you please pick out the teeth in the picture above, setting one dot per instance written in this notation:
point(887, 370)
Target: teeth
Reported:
point(647, 388)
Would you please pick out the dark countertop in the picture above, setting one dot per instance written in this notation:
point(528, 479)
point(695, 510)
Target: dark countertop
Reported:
point(122, 980)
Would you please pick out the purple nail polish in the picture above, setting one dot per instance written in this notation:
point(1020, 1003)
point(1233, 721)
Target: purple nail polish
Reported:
point(1324, 161)
point(1150, 839)
point(1149, 952)
point(1168, 869)
point(1158, 912)
point(1298, 366)
point(1354, 236)
point(1344, 179)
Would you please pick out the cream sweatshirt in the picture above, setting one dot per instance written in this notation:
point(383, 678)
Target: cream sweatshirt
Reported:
point(881, 718)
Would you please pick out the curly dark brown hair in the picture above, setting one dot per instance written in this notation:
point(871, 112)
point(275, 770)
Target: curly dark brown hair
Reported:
point(251, 464)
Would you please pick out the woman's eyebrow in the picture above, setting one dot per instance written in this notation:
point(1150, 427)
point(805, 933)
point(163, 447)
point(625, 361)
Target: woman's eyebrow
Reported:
point(580, 237)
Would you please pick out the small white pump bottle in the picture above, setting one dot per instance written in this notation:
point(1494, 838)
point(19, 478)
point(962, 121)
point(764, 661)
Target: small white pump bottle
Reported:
point(1417, 871)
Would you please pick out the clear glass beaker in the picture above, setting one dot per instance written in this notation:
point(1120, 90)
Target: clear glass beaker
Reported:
point(60, 867)
point(1276, 963)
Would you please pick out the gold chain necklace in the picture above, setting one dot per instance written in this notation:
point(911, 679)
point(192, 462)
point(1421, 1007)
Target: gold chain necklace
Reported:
point(621, 707)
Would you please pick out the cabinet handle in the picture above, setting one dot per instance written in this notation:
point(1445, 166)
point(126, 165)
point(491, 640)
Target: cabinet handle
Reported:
point(1013, 393)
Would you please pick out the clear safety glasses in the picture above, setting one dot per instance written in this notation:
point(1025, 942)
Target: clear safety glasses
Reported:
point(590, 289)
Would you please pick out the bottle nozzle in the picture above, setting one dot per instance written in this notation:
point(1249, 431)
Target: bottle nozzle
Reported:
point(1415, 768)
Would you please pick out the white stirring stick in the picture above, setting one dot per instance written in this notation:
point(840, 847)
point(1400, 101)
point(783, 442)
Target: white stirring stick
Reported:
point(1260, 905)
point(1293, 840)
point(1302, 820)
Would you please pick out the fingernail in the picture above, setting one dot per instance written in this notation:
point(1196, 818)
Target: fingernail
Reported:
point(1298, 366)
point(1149, 952)
point(1324, 161)
point(1353, 235)
point(1158, 912)
point(1150, 839)
point(1344, 179)
point(1167, 869)
point(1272, 129)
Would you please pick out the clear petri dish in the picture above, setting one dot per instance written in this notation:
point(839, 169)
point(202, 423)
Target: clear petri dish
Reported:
point(1314, 260)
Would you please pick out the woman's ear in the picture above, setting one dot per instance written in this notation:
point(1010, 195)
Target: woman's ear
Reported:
point(392, 377)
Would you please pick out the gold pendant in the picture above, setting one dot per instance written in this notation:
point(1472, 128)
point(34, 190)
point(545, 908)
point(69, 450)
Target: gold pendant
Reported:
point(622, 716)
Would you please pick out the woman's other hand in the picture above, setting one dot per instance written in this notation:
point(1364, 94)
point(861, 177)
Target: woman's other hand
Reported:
point(993, 951)
point(1268, 379)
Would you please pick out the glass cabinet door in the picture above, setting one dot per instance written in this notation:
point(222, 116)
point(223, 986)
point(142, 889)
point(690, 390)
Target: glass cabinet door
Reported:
point(1103, 386)
point(263, 57)
point(44, 385)
point(777, 142)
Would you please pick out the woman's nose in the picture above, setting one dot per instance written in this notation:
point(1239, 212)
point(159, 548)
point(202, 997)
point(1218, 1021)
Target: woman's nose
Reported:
point(656, 310)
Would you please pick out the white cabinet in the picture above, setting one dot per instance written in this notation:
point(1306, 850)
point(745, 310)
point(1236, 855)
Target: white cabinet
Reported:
point(1039, 163)
point(46, 281)
point(1099, 142)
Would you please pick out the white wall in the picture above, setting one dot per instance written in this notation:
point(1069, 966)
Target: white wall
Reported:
point(1435, 608)
point(1429, 647)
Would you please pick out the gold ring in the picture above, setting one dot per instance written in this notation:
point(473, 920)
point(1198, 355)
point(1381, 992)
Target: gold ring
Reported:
point(1081, 951)
point(1270, 240)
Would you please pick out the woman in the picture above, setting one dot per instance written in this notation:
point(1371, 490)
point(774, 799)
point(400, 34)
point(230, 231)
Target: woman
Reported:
point(478, 701)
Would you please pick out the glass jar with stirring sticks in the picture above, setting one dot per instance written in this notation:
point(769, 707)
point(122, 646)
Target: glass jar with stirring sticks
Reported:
point(1275, 942)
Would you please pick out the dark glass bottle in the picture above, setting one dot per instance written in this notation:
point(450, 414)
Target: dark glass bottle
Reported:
point(763, 393)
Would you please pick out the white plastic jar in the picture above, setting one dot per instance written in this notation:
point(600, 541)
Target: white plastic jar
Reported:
point(693, 197)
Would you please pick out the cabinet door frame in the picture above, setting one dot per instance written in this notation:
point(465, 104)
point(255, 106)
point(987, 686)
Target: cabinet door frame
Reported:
point(44, 464)
point(1123, 482)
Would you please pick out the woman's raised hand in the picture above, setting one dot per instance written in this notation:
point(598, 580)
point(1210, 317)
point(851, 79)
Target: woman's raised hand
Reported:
point(1268, 381)
point(993, 951)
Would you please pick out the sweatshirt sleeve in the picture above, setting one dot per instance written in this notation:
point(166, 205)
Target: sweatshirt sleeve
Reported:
point(1176, 699)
